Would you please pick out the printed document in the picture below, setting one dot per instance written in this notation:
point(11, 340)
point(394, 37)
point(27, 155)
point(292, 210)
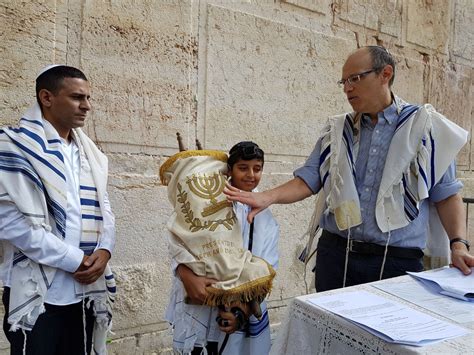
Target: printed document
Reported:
point(448, 281)
point(387, 319)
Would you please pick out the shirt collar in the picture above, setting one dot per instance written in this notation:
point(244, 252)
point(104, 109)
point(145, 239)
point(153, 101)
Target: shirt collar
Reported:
point(390, 114)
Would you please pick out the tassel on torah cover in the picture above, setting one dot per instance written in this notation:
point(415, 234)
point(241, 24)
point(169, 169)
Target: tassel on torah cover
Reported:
point(205, 234)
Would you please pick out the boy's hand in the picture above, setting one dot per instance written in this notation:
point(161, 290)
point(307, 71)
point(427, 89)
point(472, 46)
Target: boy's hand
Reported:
point(227, 320)
point(194, 285)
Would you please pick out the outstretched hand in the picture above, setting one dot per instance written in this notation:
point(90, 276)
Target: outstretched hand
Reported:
point(256, 200)
point(461, 259)
point(194, 285)
point(92, 267)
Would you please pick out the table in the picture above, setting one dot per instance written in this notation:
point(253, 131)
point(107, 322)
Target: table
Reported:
point(309, 329)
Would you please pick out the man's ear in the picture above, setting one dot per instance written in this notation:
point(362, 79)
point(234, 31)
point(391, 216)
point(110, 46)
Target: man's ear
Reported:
point(387, 73)
point(45, 97)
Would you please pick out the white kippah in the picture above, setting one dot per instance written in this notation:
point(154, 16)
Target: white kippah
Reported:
point(46, 68)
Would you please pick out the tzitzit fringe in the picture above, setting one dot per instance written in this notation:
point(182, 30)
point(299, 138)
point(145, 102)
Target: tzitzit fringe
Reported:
point(218, 155)
point(253, 290)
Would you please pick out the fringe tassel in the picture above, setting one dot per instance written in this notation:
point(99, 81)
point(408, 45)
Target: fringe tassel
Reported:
point(253, 290)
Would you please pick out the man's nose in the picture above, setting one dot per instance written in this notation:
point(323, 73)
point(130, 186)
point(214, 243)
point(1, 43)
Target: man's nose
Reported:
point(86, 105)
point(347, 87)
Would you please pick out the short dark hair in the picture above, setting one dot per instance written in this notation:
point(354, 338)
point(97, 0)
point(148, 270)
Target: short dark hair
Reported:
point(245, 150)
point(52, 79)
point(380, 58)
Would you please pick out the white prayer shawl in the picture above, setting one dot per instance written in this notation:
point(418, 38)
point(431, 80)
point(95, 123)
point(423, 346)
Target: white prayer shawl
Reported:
point(33, 179)
point(195, 325)
point(425, 143)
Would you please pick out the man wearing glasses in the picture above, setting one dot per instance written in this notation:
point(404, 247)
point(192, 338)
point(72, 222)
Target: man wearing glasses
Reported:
point(380, 172)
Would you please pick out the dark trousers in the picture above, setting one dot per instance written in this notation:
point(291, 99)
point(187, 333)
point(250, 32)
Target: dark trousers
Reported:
point(361, 268)
point(211, 348)
point(58, 331)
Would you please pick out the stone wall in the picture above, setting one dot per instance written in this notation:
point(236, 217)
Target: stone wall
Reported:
point(222, 71)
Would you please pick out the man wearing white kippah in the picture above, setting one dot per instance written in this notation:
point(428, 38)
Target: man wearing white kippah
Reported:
point(56, 225)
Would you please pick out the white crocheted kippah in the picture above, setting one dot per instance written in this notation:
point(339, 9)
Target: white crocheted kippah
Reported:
point(48, 67)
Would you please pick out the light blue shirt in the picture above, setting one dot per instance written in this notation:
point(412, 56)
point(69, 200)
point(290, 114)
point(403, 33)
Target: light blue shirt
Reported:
point(373, 148)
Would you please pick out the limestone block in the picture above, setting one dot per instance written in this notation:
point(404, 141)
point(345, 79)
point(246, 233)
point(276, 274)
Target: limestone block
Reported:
point(322, 6)
point(468, 191)
point(152, 343)
point(409, 79)
point(141, 211)
point(450, 94)
point(141, 59)
point(123, 346)
point(32, 35)
point(4, 344)
point(135, 164)
point(142, 296)
point(382, 16)
point(463, 45)
point(428, 24)
point(269, 82)
point(293, 220)
point(471, 98)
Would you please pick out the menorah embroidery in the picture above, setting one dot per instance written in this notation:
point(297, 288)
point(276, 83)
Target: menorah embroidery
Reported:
point(209, 188)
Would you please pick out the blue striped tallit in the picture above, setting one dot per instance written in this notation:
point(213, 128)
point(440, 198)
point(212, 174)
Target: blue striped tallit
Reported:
point(33, 178)
point(339, 148)
point(414, 164)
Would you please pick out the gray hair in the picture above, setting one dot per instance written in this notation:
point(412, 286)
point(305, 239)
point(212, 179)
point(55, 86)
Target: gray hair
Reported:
point(380, 58)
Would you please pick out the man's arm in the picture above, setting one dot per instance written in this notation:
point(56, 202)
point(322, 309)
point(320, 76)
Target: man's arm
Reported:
point(36, 243)
point(291, 191)
point(453, 217)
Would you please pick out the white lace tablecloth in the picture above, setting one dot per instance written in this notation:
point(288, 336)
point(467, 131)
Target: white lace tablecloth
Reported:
point(308, 329)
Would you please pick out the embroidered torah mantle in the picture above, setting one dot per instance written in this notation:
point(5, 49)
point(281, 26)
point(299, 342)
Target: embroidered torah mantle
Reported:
point(205, 234)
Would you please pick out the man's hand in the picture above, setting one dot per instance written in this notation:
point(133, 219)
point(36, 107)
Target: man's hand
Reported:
point(256, 200)
point(194, 285)
point(95, 265)
point(291, 191)
point(82, 267)
point(461, 259)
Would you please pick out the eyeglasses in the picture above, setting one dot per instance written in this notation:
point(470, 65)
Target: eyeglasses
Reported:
point(355, 78)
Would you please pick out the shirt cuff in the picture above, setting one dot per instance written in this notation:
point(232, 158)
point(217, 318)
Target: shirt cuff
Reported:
point(309, 179)
point(445, 190)
point(72, 260)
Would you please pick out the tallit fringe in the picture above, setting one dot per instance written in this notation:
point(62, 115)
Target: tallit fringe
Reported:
point(253, 290)
point(29, 315)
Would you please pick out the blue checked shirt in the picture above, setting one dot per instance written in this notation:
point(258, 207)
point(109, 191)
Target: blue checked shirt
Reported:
point(373, 148)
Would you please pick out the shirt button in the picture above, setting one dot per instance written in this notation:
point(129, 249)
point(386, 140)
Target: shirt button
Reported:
point(377, 131)
point(362, 209)
point(374, 150)
point(371, 170)
point(358, 229)
point(367, 189)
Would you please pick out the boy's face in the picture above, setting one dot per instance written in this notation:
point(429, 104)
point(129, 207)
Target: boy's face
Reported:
point(246, 174)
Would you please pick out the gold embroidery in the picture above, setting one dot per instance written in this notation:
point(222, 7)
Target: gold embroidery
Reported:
point(209, 187)
point(195, 223)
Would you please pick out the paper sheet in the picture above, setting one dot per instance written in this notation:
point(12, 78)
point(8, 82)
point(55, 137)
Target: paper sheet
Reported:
point(423, 296)
point(449, 281)
point(390, 320)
